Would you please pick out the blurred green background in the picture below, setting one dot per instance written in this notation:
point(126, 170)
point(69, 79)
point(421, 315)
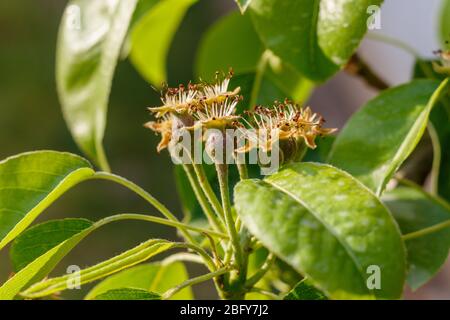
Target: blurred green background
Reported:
point(30, 119)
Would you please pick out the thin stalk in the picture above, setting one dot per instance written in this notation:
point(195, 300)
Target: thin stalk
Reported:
point(243, 172)
point(212, 218)
point(209, 262)
point(437, 155)
point(169, 293)
point(138, 190)
point(222, 174)
point(183, 256)
point(266, 293)
point(206, 257)
point(261, 272)
point(228, 253)
point(245, 239)
point(394, 42)
point(207, 189)
point(145, 195)
point(426, 231)
point(170, 223)
point(260, 70)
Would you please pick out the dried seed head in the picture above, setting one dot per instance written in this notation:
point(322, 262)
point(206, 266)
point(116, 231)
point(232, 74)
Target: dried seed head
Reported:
point(444, 66)
point(218, 114)
point(163, 127)
point(218, 91)
point(177, 100)
point(294, 128)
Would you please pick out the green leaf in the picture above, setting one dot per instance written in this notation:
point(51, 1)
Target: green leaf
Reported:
point(246, 55)
point(440, 135)
point(231, 42)
point(439, 132)
point(316, 37)
point(128, 294)
point(129, 258)
point(41, 266)
point(154, 277)
point(445, 24)
point(30, 182)
point(243, 4)
point(39, 239)
point(326, 225)
point(90, 38)
point(305, 291)
point(151, 38)
point(414, 210)
point(380, 136)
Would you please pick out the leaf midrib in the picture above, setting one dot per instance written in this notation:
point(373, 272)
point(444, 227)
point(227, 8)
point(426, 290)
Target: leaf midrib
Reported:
point(327, 227)
point(42, 203)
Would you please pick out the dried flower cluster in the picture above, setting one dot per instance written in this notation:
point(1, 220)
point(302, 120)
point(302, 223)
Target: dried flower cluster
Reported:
point(444, 66)
point(214, 106)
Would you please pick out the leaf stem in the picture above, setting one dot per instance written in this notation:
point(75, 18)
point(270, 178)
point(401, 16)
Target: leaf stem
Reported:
point(437, 155)
point(242, 169)
point(260, 70)
point(145, 195)
point(269, 294)
point(222, 174)
point(394, 42)
point(169, 293)
point(261, 272)
point(200, 195)
point(206, 257)
point(207, 189)
point(183, 256)
point(207, 260)
point(175, 224)
point(426, 231)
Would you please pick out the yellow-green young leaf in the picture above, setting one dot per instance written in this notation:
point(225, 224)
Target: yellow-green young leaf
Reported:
point(39, 239)
point(445, 24)
point(129, 258)
point(152, 35)
point(90, 38)
point(156, 277)
point(414, 210)
point(329, 227)
point(243, 5)
point(44, 264)
point(30, 182)
point(305, 291)
point(128, 294)
point(379, 137)
point(317, 37)
point(245, 54)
